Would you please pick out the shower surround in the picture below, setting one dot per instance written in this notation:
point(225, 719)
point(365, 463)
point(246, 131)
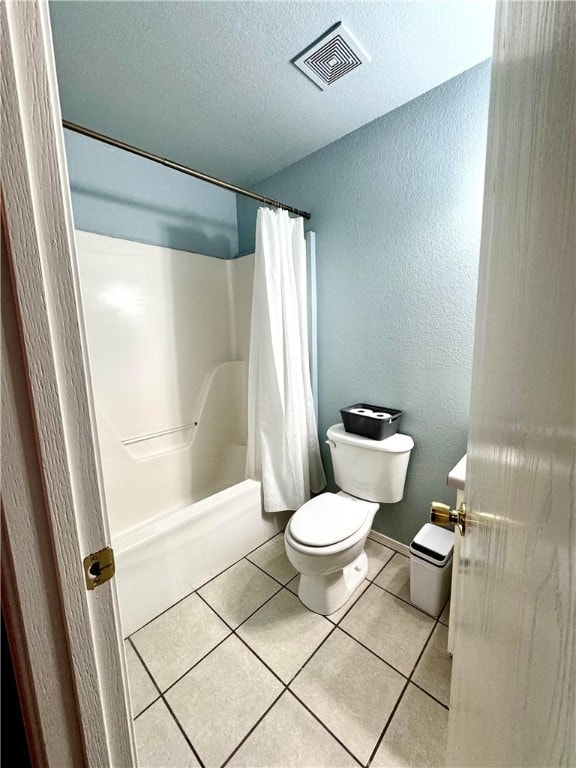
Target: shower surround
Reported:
point(167, 336)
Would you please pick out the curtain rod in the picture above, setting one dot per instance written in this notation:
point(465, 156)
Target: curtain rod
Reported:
point(181, 168)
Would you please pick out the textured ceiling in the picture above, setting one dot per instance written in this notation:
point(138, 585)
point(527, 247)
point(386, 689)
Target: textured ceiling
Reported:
point(211, 84)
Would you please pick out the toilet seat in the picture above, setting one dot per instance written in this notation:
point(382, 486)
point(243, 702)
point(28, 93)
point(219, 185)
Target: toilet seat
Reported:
point(329, 573)
point(329, 519)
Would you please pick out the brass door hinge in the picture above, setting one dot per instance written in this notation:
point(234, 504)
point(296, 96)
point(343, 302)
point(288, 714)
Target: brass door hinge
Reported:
point(99, 567)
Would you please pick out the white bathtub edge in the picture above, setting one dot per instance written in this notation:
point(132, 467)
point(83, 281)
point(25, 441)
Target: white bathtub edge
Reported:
point(166, 560)
point(142, 532)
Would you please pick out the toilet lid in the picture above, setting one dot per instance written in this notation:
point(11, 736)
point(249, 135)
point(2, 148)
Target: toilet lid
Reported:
point(327, 519)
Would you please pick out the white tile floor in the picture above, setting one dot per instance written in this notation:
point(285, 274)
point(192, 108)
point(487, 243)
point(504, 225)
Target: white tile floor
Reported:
point(240, 673)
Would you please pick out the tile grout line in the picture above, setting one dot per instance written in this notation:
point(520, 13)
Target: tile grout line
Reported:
point(411, 678)
point(422, 651)
point(386, 725)
point(183, 732)
point(161, 694)
point(212, 578)
point(218, 644)
point(147, 707)
point(282, 692)
point(388, 560)
point(169, 708)
point(264, 542)
point(249, 647)
point(314, 652)
point(245, 557)
point(245, 738)
point(233, 629)
point(417, 685)
point(260, 568)
point(407, 602)
point(380, 658)
point(334, 625)
point(202, 657)
point(231, 632)
point(286, 686)
point(180, 727)
point(367, 648)
point(332, 628)
point(373, 580)
point(408, 681)
point(315, 716)
point(386, 564)
point(137, 652)
point(254, 653)
point(337, 623)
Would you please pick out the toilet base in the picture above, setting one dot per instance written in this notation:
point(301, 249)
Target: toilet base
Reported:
point(326, 593)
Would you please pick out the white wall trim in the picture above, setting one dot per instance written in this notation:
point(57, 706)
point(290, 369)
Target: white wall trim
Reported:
point(397, 546)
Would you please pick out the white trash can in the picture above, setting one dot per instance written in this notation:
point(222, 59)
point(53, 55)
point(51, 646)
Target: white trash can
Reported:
point(431, 568)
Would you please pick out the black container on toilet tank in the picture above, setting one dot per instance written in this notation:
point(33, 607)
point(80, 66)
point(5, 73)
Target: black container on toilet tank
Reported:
point(374, 421)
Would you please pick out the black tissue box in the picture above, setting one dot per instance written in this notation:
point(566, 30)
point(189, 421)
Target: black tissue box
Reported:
point(367, 424)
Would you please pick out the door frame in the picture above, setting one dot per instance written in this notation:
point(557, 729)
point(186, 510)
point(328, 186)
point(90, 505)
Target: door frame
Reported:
point(65, 640)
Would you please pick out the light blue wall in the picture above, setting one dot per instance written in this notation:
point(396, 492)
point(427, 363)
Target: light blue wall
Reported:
point(119, 194)
point(396, 207)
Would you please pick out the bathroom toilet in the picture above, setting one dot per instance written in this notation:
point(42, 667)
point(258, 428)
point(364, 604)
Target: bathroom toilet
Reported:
point(325, 538)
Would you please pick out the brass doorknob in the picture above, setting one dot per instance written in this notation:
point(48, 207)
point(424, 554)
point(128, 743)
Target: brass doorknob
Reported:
point(442, 514)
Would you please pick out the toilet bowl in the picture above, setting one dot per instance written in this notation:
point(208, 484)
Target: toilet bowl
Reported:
point(325, 538)
point(325, 542)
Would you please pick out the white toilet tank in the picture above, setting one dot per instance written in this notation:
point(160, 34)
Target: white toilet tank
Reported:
point(374, 470)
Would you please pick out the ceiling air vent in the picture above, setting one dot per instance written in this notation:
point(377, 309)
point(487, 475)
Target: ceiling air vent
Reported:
point(331, 57)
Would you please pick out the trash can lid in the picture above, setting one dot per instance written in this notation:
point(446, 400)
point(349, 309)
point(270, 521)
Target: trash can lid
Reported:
point(433, 544)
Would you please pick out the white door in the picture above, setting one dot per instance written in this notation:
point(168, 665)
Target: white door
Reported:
point(514, 673)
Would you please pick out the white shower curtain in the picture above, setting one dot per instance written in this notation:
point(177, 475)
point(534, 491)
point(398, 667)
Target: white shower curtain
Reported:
point(283, 450)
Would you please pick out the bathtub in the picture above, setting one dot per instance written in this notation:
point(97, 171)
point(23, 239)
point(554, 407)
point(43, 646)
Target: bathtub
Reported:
point(162, 560)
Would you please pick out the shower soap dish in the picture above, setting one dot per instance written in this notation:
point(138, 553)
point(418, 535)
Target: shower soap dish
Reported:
point(373, 421)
